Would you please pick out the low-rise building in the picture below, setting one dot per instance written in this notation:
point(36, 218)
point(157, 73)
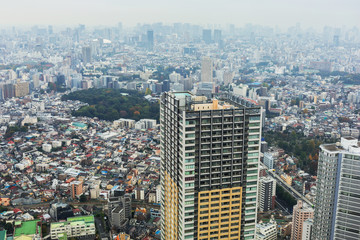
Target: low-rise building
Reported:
point(266, 231)
point(83, 226)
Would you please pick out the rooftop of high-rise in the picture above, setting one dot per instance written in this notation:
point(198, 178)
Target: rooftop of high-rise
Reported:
point(347, 144)
point(201, 103)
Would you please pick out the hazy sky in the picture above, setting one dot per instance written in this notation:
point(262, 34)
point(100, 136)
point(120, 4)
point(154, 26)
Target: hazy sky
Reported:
point(283, 13)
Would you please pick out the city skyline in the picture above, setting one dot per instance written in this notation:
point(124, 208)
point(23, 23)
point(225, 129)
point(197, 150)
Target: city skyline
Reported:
point(278, 13)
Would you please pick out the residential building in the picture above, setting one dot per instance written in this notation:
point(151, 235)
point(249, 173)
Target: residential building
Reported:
point(76, 189)
point(269, 160)
point(209, 153)
point(21, 89)
point(119, 203)
point(337, 208)
point(266, 231)
point(301, 212)
point(307, 228)
point(267, 193)
point(347, 208)
point(83, 226)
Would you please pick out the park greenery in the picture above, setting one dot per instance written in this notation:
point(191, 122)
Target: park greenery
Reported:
point(112, 104)
point(305, 149)
point(11, 130)
point(282, 194)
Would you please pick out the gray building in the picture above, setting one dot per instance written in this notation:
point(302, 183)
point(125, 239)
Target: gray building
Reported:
point(337, 204)
point(86, 55)
point(267, 193)
point(120, 206)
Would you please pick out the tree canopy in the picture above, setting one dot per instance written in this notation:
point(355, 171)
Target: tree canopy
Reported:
point(112, 104)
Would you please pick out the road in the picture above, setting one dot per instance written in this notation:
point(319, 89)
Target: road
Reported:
point(284, 209)
point(101, 229)
point(288, 188)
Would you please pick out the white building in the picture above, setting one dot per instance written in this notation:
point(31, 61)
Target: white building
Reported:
point(145, 124)
point(46, 147)
point(269, 160)
point(158, 193)
point(266, 231)
point(307, 227)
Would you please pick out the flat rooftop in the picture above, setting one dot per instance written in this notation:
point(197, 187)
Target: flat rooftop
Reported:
point(26, 228)
point(202, 103)
point(331, 147)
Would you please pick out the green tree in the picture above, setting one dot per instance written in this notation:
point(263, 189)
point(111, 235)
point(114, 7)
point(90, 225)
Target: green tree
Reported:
point(9, 228)
point(83, 198)
point(148, 91)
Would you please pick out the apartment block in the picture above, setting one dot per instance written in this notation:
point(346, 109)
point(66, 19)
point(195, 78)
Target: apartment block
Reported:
point(209, 166)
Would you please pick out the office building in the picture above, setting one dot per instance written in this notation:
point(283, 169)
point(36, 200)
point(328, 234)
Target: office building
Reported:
point(267, 193)
point(8, 91)
point(337, 208)
point(301, 212)
point(217, 36)
point(209, 167)
point(207, 68)
point(266, 231)
point(82, 227)
point(150, 40)
point(86, 55)
point(307, 228)
point(76, 189)
point(206, 36)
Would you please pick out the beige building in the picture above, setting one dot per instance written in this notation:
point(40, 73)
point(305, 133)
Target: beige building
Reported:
point(266, 231)
point(207, 68)
point(21, 89)
point(301, 213)
point(76, 189)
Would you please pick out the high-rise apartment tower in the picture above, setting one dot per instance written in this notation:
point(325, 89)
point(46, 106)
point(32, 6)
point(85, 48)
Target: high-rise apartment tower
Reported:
point(337, 203)
point(209, 167)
